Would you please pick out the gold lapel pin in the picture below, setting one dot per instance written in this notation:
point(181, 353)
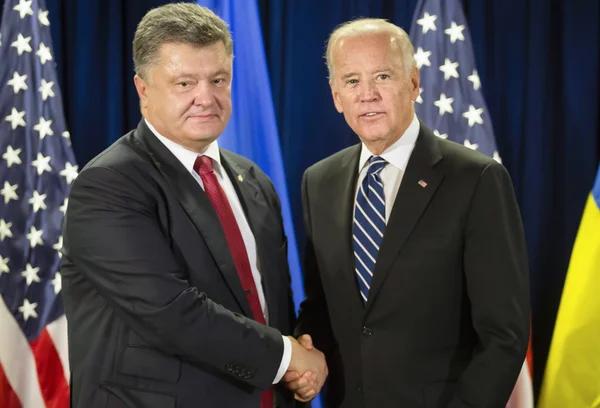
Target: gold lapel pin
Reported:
point(240, 178)
point(422, 183)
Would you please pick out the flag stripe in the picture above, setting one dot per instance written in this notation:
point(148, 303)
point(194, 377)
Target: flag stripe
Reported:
point(17, 360)
point(51, 376)
point(58, 332)
point(9, 398)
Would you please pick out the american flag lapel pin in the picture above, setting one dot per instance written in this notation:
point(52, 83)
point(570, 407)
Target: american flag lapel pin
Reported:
point(422, 183)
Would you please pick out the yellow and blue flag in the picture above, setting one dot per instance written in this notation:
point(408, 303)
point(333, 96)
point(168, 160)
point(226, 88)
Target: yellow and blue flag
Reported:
point(573, 367)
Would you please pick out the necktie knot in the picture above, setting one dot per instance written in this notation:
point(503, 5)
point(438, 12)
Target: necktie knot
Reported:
point(203, 165)
point(376, 164)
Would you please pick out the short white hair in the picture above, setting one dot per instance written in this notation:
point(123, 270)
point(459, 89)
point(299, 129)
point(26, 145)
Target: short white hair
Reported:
point(366, 27)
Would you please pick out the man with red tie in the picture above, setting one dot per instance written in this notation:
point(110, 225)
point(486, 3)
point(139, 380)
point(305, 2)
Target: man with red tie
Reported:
point(175, 276)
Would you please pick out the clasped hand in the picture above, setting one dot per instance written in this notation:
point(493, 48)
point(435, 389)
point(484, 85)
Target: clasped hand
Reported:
point(307, 370)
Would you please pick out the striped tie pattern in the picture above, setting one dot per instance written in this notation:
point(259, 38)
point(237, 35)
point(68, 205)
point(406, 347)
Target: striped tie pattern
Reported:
point(369, 224)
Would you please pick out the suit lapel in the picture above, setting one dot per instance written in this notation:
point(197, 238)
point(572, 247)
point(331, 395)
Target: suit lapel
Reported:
point(411, 201)
point(341, 188)
point(256, 209)
point(196, 204)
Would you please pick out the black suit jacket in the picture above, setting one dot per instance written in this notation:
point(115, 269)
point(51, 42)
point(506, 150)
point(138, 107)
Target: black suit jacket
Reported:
point(447, 319)
point(156, 313)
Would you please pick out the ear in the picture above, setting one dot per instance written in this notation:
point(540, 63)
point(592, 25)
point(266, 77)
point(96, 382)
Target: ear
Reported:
point(142, 89)
point(336, 97)
point(415, 80)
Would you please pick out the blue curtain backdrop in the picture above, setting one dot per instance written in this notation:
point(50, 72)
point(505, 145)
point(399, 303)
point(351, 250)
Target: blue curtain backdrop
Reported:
point(539, 65)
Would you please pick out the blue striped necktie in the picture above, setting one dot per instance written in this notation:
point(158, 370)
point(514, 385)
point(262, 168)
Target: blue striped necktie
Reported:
point(369, 224)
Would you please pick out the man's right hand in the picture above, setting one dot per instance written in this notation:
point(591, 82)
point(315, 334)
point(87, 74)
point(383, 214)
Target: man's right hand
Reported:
point(307, 371)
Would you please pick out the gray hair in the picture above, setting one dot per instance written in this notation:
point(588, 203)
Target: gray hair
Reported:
point(370, 26)
point(184, 23)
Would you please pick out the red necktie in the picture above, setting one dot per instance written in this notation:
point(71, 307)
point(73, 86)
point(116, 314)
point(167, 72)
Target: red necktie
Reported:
point(216, 195)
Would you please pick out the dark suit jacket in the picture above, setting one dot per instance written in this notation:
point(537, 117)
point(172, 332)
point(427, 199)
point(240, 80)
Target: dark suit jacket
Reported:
point(156, 313)
point(447, 319)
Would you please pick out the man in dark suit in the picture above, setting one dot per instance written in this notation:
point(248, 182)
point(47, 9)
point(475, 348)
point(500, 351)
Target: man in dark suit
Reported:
point(176, 283)
point(415, 269)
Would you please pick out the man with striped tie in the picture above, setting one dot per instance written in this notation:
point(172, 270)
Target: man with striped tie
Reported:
point(415, 267)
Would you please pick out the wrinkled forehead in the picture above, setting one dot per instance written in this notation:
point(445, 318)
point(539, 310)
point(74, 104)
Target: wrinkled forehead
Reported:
point(367, 49)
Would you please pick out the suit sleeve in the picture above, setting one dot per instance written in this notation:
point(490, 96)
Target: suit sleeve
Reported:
point(113, 237)
point(496, 273)
point(313, 317)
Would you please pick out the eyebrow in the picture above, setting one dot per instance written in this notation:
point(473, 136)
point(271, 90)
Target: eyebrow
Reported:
point(380, 69)
point(195, 74)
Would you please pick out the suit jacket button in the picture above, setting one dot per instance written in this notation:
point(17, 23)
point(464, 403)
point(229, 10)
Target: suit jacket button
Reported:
point(367, 331)
point(361, 390)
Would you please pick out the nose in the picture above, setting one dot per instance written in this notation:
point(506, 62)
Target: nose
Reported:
point(204, 95)
point(368, 91)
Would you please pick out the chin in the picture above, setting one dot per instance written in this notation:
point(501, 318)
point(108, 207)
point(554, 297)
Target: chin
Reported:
point(370, 136)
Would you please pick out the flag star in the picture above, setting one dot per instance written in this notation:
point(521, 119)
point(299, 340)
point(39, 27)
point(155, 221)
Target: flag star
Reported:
point(44, 128)
point(455, 32)
point(22, 44)
point(28, 310)
point(38, 201)
point(472, 146)
point(16, 118)
point(58, 246)
point(440, 135)
point(41, 164)
point(419, 98)
point(67, 136)
point(43, 17)
point(497, 157)
point(9, 192)
point(35, 237)
point(57, 282)
point(444, 104)
point(63, 207)
point(30, 274)
point(427, 22)
point(5, 230)
point(422, 57)
point(4, 265)
point(44, 53)
point(46, 89)
point(474, 77)
point(70, 172)
point(474, 115)
point(12, 156)
point(0, 38)
point(24, 8)
point(449, 69)
point(18, 82)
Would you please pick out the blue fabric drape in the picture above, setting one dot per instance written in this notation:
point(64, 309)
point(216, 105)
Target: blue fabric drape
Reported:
point(539, 65)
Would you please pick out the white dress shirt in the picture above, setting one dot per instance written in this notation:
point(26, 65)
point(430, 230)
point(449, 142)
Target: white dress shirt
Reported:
point(188, 158)
point(397, 156)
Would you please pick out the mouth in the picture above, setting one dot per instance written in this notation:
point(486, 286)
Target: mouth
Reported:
point(204, 117)
point(371, 115)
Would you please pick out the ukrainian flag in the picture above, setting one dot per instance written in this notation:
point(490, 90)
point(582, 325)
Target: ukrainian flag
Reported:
point(572, 377)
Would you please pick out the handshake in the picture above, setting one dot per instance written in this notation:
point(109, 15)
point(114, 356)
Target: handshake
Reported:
point(307, 370)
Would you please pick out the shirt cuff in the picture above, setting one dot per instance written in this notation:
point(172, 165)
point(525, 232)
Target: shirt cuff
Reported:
point(285, 359)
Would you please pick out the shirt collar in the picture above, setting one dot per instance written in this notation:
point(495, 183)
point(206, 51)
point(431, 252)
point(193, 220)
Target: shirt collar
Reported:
point(188, 157)
point(397, 154)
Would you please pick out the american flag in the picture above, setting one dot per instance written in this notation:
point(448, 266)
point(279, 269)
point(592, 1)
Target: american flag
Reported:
point(37, 167)
point(451, 103)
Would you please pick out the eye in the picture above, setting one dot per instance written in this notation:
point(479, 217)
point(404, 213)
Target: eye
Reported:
point(184, 84)
point(352, 81)
point(218, 81)
point(383, 76)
